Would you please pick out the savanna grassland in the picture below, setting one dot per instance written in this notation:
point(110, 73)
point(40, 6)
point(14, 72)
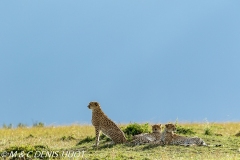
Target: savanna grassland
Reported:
point(65, 141)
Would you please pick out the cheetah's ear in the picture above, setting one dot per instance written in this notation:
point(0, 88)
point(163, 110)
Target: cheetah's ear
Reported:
point(96, 104)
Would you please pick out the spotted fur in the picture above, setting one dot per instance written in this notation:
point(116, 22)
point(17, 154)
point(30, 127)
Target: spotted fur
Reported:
point(169, 137)
point(102, 123)
point(148, 137)
point(168, 133)
point(187, 141)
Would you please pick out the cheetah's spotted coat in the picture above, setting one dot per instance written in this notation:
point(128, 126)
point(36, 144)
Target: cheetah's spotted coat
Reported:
point(102, 123)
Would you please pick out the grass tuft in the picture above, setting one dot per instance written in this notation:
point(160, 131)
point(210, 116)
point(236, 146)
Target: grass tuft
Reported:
point(135, 129)
point(38, 124)
point(185, 131)
point(86, 140)
point(238, 134)
point(30, 136)
point(21, 125)
point(67, 138)
point(5, 126)
point(208, 132)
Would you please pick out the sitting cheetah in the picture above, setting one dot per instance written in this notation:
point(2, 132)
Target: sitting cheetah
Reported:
point(148, 137)
point(169, 137)
point(168, 133)
point(102, 123)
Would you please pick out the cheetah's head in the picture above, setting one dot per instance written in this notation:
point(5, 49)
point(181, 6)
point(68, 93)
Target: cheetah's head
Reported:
point(170, 127)
point(156, 128)
point(93, 105)
point(201, 142)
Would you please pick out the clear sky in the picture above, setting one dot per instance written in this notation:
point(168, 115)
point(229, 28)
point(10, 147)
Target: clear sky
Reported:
point(143, 61)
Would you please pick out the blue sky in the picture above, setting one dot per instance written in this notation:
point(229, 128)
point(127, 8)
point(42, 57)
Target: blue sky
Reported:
point(143, 61)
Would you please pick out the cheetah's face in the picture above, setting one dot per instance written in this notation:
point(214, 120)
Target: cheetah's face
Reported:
point(201, 142)
point(156, 128)
point(170, 127)
point(93, 105)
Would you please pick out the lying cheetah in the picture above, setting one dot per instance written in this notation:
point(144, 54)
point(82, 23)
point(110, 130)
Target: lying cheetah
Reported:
point(155, 128)
point(187, 141)
point(169, 137)
point(102, 123)
point(148, 137)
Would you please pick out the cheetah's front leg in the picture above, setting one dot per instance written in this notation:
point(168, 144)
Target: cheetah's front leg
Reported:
point(97, 132)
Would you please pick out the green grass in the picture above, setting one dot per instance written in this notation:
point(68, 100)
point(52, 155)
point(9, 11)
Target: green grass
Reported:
point(79, 140)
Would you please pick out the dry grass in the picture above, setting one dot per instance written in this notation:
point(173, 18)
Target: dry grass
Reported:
point(226, 129)
point(50, 136)
point(224, 143)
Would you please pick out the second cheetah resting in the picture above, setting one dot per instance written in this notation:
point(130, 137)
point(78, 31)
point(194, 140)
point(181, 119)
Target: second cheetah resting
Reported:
point(148, 137)
point(169, 137)
point(102, 123)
